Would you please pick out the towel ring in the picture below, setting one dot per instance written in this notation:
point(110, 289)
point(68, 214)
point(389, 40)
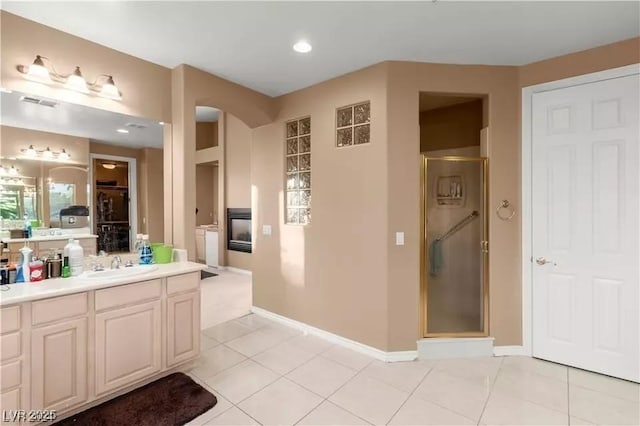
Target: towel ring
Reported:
point(505, 204)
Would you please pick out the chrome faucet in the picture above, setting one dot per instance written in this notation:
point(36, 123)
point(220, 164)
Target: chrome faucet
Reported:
point(115, 262)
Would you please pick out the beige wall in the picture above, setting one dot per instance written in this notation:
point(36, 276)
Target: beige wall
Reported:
point(206, 135)
point(237, 178)
point(191, 87)
point(456, 126)
point(614, 55)
point(152, 190)
point(331, 274)
point(145, 87)
point(205, 194)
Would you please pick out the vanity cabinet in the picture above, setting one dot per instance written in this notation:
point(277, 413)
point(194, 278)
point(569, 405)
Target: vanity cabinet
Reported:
point(128, 345)
point(59, 365)
point(13, 391)
point(64, 352)
point(183, 318)
point(59, 351)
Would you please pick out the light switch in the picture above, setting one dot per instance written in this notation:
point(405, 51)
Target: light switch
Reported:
point(399, 238)
point(266, 229)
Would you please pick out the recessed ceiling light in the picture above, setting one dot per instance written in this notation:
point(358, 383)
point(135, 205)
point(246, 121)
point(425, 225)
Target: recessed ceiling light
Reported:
point(302, 47)
point(161, 123)
point(122, 131)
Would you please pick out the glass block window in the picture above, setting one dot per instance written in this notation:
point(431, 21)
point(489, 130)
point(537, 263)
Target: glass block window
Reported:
point(353, 124)
point(298, 171)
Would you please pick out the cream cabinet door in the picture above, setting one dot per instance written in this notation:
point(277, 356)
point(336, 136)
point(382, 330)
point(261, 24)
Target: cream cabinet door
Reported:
point(59, 365)
point(128, 345)
point(183, 327)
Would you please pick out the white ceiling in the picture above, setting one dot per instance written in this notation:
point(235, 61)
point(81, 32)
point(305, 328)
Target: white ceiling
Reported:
point(250, 42)
point(206, 114)
point(81, 121)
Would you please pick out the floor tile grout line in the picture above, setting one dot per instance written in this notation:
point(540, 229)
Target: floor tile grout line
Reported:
point(410, 395)
point(486, 402)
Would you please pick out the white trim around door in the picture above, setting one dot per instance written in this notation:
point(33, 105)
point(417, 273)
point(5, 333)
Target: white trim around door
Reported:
point(526, 167)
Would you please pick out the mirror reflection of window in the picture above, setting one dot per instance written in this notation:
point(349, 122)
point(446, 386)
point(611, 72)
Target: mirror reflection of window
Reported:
point(17, 203)
point(61, 195)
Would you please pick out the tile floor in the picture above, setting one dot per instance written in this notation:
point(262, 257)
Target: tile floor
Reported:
point(265, 373)
point(224, 297)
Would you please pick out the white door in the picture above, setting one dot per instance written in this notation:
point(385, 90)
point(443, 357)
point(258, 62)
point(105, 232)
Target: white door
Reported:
point(586, 226)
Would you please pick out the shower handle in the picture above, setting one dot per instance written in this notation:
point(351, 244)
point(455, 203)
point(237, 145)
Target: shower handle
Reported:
point(543, 261)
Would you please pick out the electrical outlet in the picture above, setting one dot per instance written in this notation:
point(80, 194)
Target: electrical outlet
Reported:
point(266, 229)
point(399, 238)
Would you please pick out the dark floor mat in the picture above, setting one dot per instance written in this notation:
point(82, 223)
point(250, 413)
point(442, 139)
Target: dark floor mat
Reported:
point(171, 401)
point(205, 274)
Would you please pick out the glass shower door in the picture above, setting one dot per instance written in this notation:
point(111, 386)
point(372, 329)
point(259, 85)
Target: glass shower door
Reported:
point(454, 288)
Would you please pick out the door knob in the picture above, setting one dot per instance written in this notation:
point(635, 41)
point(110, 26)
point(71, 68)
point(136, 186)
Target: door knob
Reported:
point(543, 261)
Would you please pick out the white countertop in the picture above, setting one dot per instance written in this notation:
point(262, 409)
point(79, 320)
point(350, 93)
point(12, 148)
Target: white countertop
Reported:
point(27, 292)
point(38, 238)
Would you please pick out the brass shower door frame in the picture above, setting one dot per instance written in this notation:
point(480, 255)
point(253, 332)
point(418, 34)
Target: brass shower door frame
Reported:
point(484, 247)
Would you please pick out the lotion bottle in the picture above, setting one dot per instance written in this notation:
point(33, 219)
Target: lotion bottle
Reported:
point(76, 258)
point(24, 272)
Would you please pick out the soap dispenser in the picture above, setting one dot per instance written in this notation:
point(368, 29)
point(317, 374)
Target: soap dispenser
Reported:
point(23, 271)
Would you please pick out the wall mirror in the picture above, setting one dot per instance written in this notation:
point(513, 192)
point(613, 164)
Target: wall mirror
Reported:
point(58, 157)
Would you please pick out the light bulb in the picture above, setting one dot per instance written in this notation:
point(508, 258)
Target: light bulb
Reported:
point(109, 90)
point(13, 170)
point(31, 151)
point(77, 82)
point(47, 153)
point(64, 155)
point(38, 71)
point(302, 47)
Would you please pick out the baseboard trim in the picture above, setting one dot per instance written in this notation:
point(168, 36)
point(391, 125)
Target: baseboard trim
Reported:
point(395, 356)
point(459, 347)
point(509, 351)
point(238, 270)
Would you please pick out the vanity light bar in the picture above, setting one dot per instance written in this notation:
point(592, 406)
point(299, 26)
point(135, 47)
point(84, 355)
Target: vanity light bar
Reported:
point(46, 154)
point(39, 71)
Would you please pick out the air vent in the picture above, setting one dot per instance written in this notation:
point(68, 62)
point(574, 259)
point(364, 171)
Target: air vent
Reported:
point(37, 101)
point(135, 126)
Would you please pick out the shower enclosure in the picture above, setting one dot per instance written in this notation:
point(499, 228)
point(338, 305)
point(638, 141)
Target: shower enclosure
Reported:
point(454, 290)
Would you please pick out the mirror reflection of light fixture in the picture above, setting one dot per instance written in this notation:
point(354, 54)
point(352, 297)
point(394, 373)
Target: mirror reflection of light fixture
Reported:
point(47, 154)
point(109, 166)
point(46, 73)
point(63, 155)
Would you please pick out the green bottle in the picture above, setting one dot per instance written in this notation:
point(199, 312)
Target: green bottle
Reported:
point(66, 271)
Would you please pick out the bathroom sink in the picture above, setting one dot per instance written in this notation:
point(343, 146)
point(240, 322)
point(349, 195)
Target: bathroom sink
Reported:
point(119, 273)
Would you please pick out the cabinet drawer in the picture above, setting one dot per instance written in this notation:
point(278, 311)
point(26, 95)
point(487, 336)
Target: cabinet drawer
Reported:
point(128, 294)
point(180, 283)
point(10, 346)
point(10, 375)
point(58, 308)
point(10, 319)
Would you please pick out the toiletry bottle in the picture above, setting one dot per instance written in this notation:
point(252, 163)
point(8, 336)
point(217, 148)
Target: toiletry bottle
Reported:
point(146, 256)
point(66, 271)
point(76, 258)
point(138, 243)
point(65, 257)
point(24, 273)
point(36, 268)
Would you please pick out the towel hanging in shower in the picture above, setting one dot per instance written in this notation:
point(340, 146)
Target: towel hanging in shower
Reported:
point(435, 257)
